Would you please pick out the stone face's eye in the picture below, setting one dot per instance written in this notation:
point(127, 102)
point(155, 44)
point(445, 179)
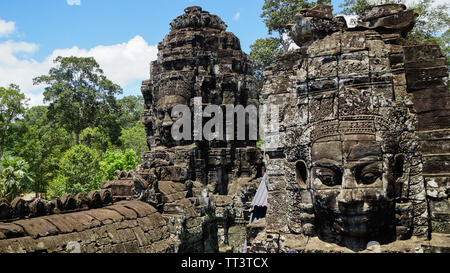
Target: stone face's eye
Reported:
point(368, 174)
point(329, 176)
point(369, 178)
point(160, 114)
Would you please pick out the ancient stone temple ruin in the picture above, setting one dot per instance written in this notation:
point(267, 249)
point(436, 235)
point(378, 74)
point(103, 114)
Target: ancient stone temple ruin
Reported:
point(363, 156)
point(186, 196)
point(361, 161)
point(196, 178)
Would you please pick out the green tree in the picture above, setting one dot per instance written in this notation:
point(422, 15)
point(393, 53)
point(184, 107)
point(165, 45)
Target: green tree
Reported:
point(444, 43)
point(264, 52)
point(357, 7)
point(12, 104)
point(79, 172)
point(277, 14)
point(42, 144)
point(79, 94)
point(95, 138)
point(118, 160)
point(134, 139)
point(14, 177)
point(433, 19)
point(131, 110)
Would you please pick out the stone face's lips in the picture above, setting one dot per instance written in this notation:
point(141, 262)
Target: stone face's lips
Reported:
point(355, 219)
point(355, 225)
point(339, 215)
point(346, 214)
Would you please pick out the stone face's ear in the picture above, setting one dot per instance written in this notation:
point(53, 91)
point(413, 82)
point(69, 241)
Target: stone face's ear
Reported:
point(399, 166)
point(301, 173)
point(399, 185)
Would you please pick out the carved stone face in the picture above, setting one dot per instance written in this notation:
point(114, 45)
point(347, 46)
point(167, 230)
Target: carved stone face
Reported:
point(349, 184)
point(164, 120)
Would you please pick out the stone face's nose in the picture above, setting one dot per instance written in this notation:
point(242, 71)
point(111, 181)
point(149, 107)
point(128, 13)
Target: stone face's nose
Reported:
point(350, 200)
point(167, 121)
point(349, 180)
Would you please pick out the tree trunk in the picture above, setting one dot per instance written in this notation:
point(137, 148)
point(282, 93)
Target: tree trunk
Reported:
point(37, 189)
point(2, 145)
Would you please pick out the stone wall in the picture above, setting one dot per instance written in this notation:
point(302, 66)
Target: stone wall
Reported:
point(427, 76)
point(125, 227)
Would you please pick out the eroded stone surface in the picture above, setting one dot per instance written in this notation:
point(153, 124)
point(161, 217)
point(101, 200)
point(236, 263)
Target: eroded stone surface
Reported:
point(362, 158)
point(67, 232)
point(362, 163)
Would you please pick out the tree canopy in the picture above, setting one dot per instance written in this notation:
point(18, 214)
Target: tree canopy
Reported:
point(66, 146)
point(78, 171)
point(41, 143)
point(13, 177)
point(12, 105)
point(117, 160)
point(264, 52)
point(79, 94)
point(277, 14)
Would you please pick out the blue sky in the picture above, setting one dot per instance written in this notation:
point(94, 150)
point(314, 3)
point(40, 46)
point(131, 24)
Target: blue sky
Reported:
point(121, 33)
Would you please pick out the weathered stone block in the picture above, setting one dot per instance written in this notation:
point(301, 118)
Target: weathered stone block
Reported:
point(331, 45)
point(142, 209)
point(323, 67)
point(11, 230)
point(125, 212)
point(64, 224)
point(105, 216)
point(436, 164)
point(37, 227)
point(354, 63)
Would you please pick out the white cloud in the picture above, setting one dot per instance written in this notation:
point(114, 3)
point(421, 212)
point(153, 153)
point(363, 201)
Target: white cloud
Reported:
point(7, 28)
point(73, 2)
point(122, 63)
point(237, 16)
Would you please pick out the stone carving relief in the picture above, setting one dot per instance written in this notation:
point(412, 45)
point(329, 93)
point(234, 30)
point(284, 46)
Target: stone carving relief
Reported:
point(348, 171)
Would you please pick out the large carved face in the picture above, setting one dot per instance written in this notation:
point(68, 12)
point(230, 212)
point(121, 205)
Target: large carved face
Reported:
point(350, 184)
point(164, 120)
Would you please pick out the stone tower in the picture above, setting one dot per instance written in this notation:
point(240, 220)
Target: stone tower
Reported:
point(200, 60)
point(364, 145)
